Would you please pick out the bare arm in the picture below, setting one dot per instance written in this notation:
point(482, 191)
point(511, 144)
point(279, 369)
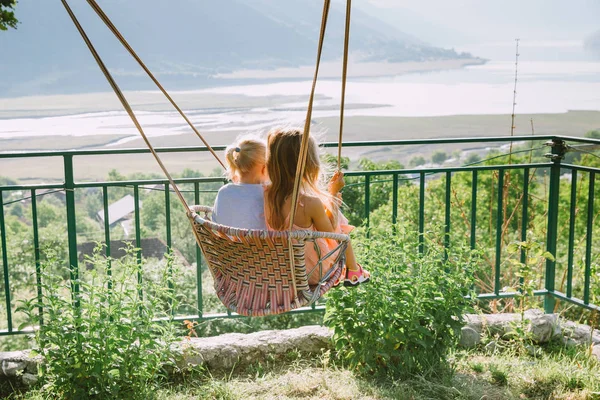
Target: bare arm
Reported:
point(315, 210)
point(336, 183)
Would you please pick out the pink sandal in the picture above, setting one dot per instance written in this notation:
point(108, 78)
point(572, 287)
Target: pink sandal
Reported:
point(355, 278)
point(341, 278)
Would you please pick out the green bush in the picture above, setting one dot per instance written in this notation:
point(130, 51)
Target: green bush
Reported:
point(104, 341)
point(472, 158)
point(439, 157)
point(417, 161)
point(404, 321)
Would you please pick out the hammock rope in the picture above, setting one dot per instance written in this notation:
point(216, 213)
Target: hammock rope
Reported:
point(207, 229)
point(344, 76)
point(123, 100)
point(125, 44)
point(300, 167)
point(306, 133)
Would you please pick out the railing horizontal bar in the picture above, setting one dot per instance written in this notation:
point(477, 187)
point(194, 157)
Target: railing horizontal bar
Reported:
point(507, 295)
point(149, 182)
point(475, 139)
point(302, 310)
point(182, 318)
point(578, 168)
point(479, 139)
point(101, 152)
point(321, 308)
point(448, 169)
point(578, 139)
point(574, 300)
point(5, 332)
point(30, 187)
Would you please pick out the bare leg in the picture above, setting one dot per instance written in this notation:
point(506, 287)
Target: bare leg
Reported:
point(350, 259)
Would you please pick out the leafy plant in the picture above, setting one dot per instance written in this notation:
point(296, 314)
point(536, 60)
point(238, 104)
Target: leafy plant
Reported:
point(406, 319)
point(534, 254)
point(103, 340)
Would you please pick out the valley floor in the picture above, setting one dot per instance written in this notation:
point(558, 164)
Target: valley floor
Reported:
point(573, 123)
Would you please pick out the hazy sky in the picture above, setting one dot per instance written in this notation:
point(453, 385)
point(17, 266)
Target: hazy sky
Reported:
point(460, 22)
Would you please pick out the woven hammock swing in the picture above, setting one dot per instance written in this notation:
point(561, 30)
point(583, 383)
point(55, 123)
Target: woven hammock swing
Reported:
point(256, 272)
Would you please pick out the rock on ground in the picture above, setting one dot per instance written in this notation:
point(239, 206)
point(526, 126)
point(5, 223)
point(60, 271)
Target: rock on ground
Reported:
point(469, 337)
point(235, 349)
point(576, 334)
point(542, 327)
point(15, 363)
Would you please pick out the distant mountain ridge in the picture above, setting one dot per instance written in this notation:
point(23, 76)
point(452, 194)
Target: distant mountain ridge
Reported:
point(186, 42)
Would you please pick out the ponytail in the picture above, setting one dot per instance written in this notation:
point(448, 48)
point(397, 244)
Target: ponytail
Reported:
point(244, 154)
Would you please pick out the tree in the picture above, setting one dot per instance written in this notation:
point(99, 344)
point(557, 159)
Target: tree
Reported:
point(593, 134)
point(417, 161)
point(7, 15)
point(473, 158)
point(439, 157)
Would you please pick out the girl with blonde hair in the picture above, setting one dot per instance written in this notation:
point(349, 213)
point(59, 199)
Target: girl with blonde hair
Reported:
point(317, 209)
point(240, 204)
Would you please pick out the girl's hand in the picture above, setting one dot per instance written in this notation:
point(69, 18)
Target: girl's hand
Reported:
point(336, 183)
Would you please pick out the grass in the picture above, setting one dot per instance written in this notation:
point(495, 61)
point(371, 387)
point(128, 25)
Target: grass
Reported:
point(558, 373)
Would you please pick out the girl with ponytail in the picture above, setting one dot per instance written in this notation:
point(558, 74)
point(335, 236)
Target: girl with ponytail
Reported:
point(240, 204)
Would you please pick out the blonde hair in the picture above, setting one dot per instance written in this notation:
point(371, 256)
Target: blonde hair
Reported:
point(282, 159)
point(244, 154)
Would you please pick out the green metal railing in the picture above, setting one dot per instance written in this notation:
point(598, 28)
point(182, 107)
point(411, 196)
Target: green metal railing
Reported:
point(554, 167)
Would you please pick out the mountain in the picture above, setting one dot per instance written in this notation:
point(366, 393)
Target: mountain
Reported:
point(186, 42)
point(466, 22)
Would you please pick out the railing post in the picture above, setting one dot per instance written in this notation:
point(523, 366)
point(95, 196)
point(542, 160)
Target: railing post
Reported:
point(558, 152)
point(71, 225)
point(395, 201)
point(421, 212)
point(5, 265)
point(368, 202)
point(198, 259)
